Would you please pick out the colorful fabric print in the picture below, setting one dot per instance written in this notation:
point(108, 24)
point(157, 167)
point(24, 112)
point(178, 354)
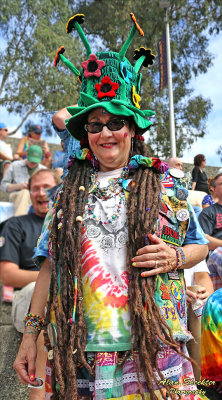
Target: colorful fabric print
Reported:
point(105, 281)
point(122, 383)
point(211, 338)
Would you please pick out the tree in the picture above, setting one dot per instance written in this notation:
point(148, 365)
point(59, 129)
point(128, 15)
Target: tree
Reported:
point(191, 24)
point(32, 31)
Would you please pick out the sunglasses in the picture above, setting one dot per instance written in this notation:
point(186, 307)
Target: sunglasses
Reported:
point(113, 125)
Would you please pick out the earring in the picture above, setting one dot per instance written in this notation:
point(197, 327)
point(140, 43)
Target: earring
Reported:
point(131, 145)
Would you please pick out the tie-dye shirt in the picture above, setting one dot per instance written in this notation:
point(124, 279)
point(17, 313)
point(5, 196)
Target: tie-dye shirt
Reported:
point(105, 276)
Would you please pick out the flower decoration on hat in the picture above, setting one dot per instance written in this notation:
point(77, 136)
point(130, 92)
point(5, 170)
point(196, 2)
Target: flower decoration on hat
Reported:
point(135, 97)
point(136, 24)
point(80, 18)
point(126, 74)
point(74, 23)
point(93, 66)
point(143, 57)
point(107, 88)
point(61, 50)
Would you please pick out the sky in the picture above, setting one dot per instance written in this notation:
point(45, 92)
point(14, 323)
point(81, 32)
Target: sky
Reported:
point(209, 85)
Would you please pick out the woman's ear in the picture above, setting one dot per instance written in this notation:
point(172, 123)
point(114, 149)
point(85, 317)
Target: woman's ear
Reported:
point(132, 130)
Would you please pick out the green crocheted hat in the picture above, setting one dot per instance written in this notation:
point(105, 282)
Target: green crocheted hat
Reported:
point(108, 80)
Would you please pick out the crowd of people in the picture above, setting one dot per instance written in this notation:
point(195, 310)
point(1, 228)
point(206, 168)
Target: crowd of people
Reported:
point(119, 278)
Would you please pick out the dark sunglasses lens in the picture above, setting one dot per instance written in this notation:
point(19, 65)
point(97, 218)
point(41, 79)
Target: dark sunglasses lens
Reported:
point(116, 124)
point(94, 127)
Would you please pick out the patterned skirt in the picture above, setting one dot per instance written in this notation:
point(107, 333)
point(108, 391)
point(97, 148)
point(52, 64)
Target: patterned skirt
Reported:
point(121, 383)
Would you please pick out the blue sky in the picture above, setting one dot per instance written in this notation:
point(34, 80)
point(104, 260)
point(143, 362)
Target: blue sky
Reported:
point(209, 85)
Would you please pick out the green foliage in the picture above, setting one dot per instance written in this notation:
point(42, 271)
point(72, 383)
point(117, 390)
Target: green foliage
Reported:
point(191, 24)
point(33, 30)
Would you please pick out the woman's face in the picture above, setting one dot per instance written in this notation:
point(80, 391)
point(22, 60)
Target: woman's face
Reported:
point(34, 136)
point(111, 148)
point(203, 163)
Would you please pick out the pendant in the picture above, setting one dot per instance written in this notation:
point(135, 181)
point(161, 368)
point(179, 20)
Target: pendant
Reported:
point(92, 187)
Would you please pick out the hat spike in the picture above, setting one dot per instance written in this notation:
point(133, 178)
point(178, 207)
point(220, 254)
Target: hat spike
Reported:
point(69, 65)
point(128, 41)
point(60, 56)
point(74, 23)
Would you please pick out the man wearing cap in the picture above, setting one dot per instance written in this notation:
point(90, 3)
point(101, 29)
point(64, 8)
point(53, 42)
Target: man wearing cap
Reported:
point(15, 180)
point(5, 149)
point(33, 138)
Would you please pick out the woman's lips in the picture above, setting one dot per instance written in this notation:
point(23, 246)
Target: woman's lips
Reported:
point(108, 145)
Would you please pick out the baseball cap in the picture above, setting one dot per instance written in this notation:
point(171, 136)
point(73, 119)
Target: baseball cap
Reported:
point(219, 172)
point(2, 125)
point(35, 128)
point(35, 154)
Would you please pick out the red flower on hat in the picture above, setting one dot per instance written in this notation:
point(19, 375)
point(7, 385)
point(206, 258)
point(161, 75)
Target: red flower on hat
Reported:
point(106, 88)
point(93, 66)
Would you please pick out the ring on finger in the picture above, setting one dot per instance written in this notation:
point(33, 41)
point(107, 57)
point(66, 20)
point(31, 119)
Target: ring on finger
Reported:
point(156, 264)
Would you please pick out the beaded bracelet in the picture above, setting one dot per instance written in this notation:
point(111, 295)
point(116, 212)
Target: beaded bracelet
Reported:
point(180, 257)
point(35, 321)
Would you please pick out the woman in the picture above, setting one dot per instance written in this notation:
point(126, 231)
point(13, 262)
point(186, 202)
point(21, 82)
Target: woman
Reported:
point(34, 137)
point(209, 199)
point(198, 175)
point(117, 297)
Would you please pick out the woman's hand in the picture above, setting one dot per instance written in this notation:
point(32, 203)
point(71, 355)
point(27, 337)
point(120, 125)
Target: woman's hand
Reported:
point(24, 364)
point(157, 257)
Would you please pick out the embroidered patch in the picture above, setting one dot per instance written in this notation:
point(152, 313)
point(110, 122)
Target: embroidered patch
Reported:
point(170, 235)
point(180, 309)
point(219, 221)
point(165, 294)
point(169, 312)
point(2, 241)
point(163, 207)
point(173, 275)
point(176, 290)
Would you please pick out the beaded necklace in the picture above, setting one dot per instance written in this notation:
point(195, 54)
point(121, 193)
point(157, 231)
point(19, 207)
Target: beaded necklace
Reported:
point(113, 189)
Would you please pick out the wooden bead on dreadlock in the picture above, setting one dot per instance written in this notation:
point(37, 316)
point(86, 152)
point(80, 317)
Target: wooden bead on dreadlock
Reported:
point(79, 218)
point(82, 188)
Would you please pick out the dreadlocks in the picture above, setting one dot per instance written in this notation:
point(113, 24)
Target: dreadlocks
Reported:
point(148, 328)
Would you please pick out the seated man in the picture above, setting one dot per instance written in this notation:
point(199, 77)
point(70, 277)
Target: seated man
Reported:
point(33, 137)
point(15, 180)
point(19, 237)
point(175, 162)
point(214, 264)
point(5, 150)
point(211, 217)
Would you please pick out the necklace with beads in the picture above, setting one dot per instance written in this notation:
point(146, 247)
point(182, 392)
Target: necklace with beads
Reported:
point(113, 189)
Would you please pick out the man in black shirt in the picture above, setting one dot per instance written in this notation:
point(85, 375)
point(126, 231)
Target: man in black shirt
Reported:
point(19, 237)
point(211, 217)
